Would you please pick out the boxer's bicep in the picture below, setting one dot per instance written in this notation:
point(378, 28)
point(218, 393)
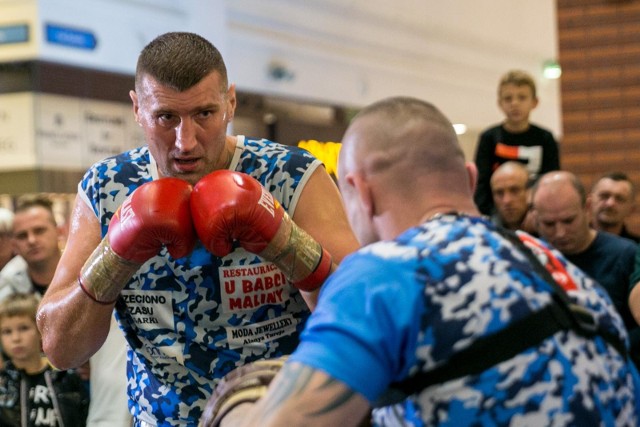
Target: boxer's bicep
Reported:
point(84, 237)
point(72, 330)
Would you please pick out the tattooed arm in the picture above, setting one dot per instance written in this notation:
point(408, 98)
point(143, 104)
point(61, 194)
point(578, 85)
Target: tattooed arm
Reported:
point(303, 396)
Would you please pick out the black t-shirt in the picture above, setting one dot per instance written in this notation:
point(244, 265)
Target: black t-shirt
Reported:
point(41, 412)
point(536, 148)
point(610, 261)
point(18, 388)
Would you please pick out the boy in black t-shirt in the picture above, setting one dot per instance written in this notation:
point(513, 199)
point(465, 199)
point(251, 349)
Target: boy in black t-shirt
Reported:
point(514, 139)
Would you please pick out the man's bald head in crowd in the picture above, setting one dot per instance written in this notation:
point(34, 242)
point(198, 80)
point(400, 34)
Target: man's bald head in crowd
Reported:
point(562, 216)
point(509, 190)
point(407, 153)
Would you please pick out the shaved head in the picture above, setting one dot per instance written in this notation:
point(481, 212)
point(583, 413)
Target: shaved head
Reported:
point(402, 136)
point(562, 219)
point(509, 192)
point(400, 162)
point(511, 169)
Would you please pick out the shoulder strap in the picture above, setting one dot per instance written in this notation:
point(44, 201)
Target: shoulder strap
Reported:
point(490, 350)
point(583, 321)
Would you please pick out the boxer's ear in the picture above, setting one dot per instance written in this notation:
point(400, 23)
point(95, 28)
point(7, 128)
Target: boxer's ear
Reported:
point(363, 193)
point(472, 173)
point(134, 100)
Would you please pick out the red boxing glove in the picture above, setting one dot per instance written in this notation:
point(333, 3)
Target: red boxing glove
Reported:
point(156, 214)
point(228, 206)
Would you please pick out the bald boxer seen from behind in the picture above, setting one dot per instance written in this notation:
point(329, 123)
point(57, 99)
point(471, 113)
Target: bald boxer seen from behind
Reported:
point(442, 318)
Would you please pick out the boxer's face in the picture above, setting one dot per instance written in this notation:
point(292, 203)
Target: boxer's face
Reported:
point(186, 131)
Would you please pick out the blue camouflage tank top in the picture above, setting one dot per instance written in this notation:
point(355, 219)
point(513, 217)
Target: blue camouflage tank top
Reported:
point(407, 305)
point(190, 321)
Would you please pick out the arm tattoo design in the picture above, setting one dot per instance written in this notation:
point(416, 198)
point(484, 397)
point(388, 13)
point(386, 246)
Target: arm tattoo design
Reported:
point(296, 379)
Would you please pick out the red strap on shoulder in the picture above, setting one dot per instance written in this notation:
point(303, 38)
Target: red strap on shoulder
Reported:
point(550, 262)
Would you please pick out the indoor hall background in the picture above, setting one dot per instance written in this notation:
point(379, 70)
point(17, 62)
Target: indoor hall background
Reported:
point(599, 50)
point(302, 68)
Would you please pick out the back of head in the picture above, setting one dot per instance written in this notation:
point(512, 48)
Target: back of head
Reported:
point(518, 78)
point(406, 141)
point(180, 60)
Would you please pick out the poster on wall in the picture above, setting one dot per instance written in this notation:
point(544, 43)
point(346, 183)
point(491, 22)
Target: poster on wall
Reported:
point(17, 145)
point(105, 129)
point(59, 131)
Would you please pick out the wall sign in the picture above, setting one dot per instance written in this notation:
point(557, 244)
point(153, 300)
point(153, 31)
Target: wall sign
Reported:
point(10, 34)
point(71, 37)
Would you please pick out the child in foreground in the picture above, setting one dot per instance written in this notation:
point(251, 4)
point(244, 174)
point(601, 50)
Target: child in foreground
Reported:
point(32, 392)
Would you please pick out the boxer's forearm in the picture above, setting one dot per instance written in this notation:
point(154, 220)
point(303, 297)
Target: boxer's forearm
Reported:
point(74, 316)
point(301, 396)
point(73, 327)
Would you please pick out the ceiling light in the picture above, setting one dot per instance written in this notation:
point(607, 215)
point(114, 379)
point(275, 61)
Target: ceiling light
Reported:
point(551, 69)
point(460, 128)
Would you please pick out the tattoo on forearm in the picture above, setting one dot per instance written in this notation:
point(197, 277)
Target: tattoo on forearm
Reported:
point(297, 379)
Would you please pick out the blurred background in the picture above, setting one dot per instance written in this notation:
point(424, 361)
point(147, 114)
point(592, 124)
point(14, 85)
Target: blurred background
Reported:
point(303, 68)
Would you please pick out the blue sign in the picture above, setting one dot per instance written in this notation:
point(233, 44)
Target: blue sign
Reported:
point(14, 33)
point(71, 37)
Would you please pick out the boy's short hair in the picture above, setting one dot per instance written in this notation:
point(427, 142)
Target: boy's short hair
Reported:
point(19, 305)
point(518, 78)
